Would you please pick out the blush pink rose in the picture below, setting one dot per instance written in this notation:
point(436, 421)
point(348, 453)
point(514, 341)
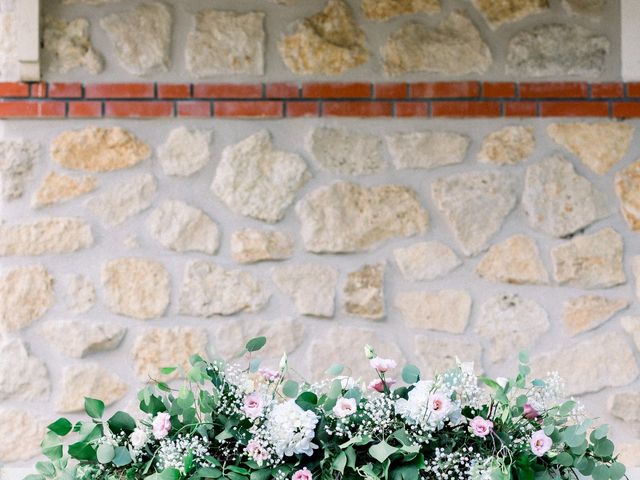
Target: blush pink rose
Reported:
point(540, 443)
point(256, 451)
point(439, 405)
point(481, 427)
point(378, 386)
point(303, 474)
point(344, 407)
point(382, 364)
point(253, 405)
point(161, 425)
point(530, 413)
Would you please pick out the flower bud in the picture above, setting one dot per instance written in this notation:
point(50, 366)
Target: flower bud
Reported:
point(369, 352)
point(283, 362)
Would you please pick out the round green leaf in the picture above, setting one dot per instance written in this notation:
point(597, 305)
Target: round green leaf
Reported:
point(564, 459)
point(290, 389)
point(105, 453)
point(335, 370)
point(617, 471)
point(410, 374)
point(600, 472)
point(256, 344)
point(93, 407)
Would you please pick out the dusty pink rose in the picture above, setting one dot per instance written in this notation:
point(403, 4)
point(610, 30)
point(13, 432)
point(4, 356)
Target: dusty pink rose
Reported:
point(481, 427)
point(345, 407)
point(530, 413)
point(540, 443)
point(256, 451)
point(253, 405)
point(382, 364)
point(161, 425)
point(303, 474)
point(378, 385)
point(269, 375)
point(439, 405)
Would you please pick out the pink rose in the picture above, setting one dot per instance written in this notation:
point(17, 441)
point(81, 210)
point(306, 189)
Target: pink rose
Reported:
point(530, 413)
point(345, 407)
point(378, 386)
point(481, 427)
point(161, 425)
point(439, 405)
point(253, 405)
point(540, 443)
point(256, 451)
point(269, 375)
point(382, 364)
point(303, 474)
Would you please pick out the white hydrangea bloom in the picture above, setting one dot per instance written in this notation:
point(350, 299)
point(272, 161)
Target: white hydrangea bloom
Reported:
point(291, 429)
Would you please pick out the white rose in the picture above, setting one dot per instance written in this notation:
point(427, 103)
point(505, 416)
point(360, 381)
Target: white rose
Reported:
point(345, 407)
point(138, 438)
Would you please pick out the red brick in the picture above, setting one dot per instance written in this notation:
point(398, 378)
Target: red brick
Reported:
point(119, 90)
point(626, 109)
point(607, 90)
point(138, 109)
point(194, 109)
point(39, 90)
point(282, 90)
point(357, 109)
point(412, 109)
point(498, 90)
point(633, 89)
point(85, 109)
point(227, 90)
point(303, 109)
point(32, 109)
point(554, 90)
point(465, 109)
point(336, 90)
point(174, 90)
point(391, 91)
point(65, 90)
point(520, 109)
point(445, 90)
point(261, 109)
point(14, 89)
point(574, 109)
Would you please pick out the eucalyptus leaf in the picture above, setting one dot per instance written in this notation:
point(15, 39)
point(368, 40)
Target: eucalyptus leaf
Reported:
point(256, 344)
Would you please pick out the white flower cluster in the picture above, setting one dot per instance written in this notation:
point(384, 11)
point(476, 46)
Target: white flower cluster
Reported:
point(428, 408)
point(453, 465)
point(551, 394)
point(464, 383)
point(291, 429)
point(173, 452)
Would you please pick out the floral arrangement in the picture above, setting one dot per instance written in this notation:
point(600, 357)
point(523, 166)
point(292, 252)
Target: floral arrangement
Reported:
point(252, 423)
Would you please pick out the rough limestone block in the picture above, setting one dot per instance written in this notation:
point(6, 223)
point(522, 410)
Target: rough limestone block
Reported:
point(475, 204)
point(78, 338)
point(454, 47)
point(58, 188)
point(436, 355)
point(557, 50)
point(185, 152)
point(635, 266)
point(136, 287)
point(347, 217)
point(443, 311)
point(250, 245)
point(312, 287)
point(181, 227)
point(628, 191)
point(599, 145)
point(67, 45)
point(256, 180)
point(507, 146)
point(631, 325)
point(17, 158)
point(427, 149)
point(364, 292)
point(49, 235)
point(226, 43)
point(26, 294)
point(9, 67)
point(209, 289)
point(345, 152)
point(96, 149)
point(23, 376)
point(590, 311)
point(515, 260)
point(80, 294)
point(385, 9)
point(625, 406)
point(141, 38)
point(22, 432)
point(602, 361)
point(327, 43)
point(425, 261)
point(558, 201)
point(591, 8)
point(499, 12)
point(590, 261)
point(88, 380)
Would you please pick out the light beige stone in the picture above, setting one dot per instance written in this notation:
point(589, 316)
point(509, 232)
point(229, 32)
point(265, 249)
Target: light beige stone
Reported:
point(256, 180)
point(599, 145)
point(584, 7)
point(88, 380)
point(26, 294)
point(558, 201)
point(437, 355)
point(67, 46)
point(181, 227)
point(81, 294)
point(345, 345)
point(185, 152)
point(385, 9)
point(226, 43)
point(124, 200)
point(635, 266)
point(444, 311)
point(23, 376)
point(46, 236)
point(156, 348)
point(475, 205)
point(631, 325)
point(629, 454)
point(499, 12)
point(345, 152)
point(625, 406)
point(590, 261)
point(9, 66)
point(136, 287)
point(141, 38)
point(78, 338)
point(508, 146)
point(427, 149)
point(628, 191)
point(131, 242)
point(454, 47)
point(209, 289)
point(425, 261)
point(22, 432)
point(327, 43)
point(590, 311)
point(347, 217)
point(58, 188)
point(312, 287)
point(364, 292)
point(98, 149)
point(589, 366)
point(17, 158)
point(512, 324)
point(88, 2)
point(515, 260)
point(250, 245)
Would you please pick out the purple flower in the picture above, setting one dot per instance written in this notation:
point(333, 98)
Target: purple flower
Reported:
point(530, 413)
